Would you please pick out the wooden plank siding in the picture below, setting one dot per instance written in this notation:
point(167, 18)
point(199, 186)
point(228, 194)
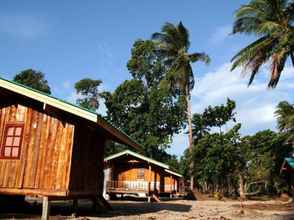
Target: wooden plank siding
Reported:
point(87, 161)
point(123, 170)
point(61, 155)
point(45, 150)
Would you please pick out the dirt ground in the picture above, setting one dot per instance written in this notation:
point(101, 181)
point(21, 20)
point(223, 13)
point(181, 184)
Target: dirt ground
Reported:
point(202, 210)
point(168, 210)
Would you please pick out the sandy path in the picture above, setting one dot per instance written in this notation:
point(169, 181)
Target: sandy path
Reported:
point(191, 210)
point(169, 210)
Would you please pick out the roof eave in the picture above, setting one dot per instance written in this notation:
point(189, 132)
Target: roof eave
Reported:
point(129, 152)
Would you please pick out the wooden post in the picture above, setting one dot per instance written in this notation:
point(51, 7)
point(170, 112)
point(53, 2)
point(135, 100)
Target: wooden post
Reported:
point(46, 208)
point(171, 184)
point(149, 199)
point(94, 203)
point(149, 184)
point(75, 205)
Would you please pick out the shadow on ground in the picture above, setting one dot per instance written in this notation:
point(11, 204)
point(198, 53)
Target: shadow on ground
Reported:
point(62, 210)
point(138, 208)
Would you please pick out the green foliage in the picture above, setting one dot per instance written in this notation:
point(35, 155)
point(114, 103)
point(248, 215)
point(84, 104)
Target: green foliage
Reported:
point(219, 115)
point(143, 109)
point(266, 153)
point(272, 22)
point(184, 164)
point(214, 155)
point(285, 116)
point(216, 116)
point(34, 79)
point(220, 158)
point(173, 162)
point(216, 159)
point(89, 94)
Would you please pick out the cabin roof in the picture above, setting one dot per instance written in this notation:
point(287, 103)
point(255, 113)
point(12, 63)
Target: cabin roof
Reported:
point(129, 152)
point(47, 99)
point(290, 161)
point(139, 156)
point(173, 173)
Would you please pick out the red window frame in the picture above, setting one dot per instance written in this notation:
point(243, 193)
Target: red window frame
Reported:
point(13, 137)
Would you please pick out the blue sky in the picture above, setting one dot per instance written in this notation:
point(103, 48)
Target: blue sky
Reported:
point(69, 40)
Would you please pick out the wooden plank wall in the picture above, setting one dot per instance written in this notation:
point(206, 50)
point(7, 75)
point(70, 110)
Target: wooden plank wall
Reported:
point(129, 172)
point(45, 152)
point(123, 170)
point(87, 166)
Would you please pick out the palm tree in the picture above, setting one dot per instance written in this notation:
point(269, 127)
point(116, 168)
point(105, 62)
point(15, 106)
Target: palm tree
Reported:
point(173, 44)
point(272, 22)
point(285, 116)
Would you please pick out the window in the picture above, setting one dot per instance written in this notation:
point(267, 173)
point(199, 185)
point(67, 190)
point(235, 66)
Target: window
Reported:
point(140, 174)
point(12, 141)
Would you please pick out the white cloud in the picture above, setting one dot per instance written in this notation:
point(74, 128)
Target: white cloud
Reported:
point(255, 105)
point(220, 34)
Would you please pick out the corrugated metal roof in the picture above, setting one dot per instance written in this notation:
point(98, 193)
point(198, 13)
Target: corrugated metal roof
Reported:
point(67, 107)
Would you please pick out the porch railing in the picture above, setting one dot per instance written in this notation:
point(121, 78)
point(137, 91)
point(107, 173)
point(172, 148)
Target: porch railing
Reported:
point(143, 186)
point(127, 185)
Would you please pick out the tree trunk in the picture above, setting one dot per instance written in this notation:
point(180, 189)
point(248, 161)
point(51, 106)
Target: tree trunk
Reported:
point(242, 187)
point(292, 58)
point(189, 116)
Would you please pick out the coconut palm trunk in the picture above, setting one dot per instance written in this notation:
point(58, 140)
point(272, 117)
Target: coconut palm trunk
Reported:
point(292, 58)
point(189, 117)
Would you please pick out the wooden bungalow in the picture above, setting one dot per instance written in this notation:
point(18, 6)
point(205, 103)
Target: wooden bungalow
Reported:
point(51, 148)
point(128, 172)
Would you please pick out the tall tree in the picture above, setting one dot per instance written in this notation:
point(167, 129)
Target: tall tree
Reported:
point(144, 110)
point(34, 79)
point(272, 22)
point(88, 90)
point(174, 43)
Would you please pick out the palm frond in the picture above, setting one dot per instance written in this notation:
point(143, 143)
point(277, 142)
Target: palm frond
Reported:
point(246, 25)
point(278, 63)
point(184, 35)
point(199, 57)
point(251, 52)
point(175, 37)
